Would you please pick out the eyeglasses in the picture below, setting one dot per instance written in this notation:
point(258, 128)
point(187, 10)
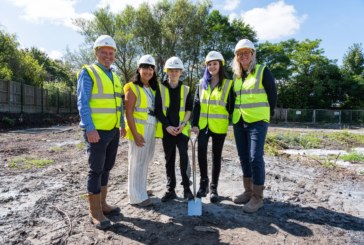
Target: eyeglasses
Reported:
point(244, 53)
point(146, 66)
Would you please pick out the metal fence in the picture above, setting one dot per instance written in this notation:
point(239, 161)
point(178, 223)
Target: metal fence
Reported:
point(18, 98)
point(319, 116)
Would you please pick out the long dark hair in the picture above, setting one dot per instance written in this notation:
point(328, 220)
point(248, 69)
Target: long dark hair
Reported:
point(206, 79)
point(153, 82)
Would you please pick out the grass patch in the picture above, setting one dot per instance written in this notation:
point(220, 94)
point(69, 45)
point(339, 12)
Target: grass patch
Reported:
point(353, 157)
point(81, 146)
point(28, 162)
point(56, 148)
point(280, 141)
point(345, 138)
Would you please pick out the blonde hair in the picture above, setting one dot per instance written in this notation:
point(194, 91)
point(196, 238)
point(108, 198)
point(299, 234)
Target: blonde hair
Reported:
point(237, 67)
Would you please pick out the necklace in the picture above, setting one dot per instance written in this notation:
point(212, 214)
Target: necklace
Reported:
point(149, 94)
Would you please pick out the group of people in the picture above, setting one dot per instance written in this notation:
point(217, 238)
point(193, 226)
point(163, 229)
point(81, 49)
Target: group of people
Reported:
point(164, 110)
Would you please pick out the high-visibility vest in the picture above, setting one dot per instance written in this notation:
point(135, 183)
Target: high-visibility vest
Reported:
point(213, 112)
point(106, 102)
point(140, 112)
point(182, 105)
point(251, 99)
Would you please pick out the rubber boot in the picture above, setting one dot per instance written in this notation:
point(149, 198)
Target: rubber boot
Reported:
point(256, 201)
point(96, 215)
point(214, 196)
point(247, 194)
point(204, 188)
point(106, 208)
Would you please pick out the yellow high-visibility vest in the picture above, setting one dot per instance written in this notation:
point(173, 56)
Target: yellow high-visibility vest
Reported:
point(182, 106)
point(213, 112)
point(251, 99)
point(140, 112)
point(106, 102)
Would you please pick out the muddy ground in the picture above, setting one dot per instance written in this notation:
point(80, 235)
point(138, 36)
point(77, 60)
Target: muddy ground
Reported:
point(305, 203)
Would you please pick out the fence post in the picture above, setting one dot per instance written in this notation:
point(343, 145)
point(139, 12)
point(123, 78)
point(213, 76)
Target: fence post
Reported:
point(57, 101)
point(285, 116)
point(41, 99)
point(9, 94)
point(339, 117)
point(314, 117)
point(21, 96)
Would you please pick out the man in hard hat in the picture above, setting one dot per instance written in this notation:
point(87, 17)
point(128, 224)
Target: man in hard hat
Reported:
point(173, 110)
point(99, 101)
point(256, 96)
point(212, 105)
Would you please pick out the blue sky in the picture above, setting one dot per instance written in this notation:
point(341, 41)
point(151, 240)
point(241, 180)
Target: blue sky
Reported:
point(46, 24)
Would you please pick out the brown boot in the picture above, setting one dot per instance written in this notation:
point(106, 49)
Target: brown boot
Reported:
point(106, 208)
point(247, 194)
point(256, 202)
point(96, 216)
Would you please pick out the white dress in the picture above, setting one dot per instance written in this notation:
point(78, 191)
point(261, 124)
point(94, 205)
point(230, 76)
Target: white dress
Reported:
point(140, 157)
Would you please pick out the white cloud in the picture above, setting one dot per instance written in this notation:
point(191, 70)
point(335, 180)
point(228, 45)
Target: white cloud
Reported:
point(118, 5)
point(275, 21)
point(231, 5)
point(55, 54)
point(59, 12)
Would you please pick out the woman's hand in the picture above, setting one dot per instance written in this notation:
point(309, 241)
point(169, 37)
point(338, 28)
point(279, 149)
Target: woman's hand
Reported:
point(139, 140)
point(172, 130)
point(195, 130)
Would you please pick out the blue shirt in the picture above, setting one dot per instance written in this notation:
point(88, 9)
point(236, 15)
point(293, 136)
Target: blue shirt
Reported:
point(84, 91)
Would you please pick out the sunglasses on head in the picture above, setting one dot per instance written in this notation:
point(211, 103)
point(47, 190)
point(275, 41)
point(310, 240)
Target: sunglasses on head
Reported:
point(146, 66)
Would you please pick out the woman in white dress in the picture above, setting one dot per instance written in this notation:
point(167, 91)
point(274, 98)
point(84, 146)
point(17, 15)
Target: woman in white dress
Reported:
point(140, 128)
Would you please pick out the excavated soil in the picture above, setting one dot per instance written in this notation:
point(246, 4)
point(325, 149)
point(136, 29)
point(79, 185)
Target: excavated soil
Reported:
point(44, 202)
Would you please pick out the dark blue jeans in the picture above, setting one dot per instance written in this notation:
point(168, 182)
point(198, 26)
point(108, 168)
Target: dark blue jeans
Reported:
point(250, 139)
point(101, 159)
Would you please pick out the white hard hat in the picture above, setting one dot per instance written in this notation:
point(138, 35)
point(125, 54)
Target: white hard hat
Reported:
point(214, 55)
point(244, 43)
point(104, 41)
point(173, 63)
point(146, 59)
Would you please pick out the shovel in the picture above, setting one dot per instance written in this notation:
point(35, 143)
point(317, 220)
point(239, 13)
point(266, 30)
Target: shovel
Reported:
point(194, 205)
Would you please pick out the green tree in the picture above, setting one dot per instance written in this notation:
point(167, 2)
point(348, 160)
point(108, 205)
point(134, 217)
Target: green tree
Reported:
point(353, 61)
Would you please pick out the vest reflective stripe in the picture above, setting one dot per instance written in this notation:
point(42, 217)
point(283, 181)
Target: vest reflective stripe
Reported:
point(140, 120)
point(213, 111)
point(105, 110)
point(251, 101)
point(182, 107)
point(106, 102)
point(214, 116)
point(140, 112)
point(259, 104)
point(141, 109)
point(215, 102)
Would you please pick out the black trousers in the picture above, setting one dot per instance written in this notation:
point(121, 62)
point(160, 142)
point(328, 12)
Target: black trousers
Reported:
point(170, 143)
point(217, 145)
point(101, 159)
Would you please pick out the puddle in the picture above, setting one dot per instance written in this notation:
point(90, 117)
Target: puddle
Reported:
point(70, 142)
point(57, 129)
point(315, 152)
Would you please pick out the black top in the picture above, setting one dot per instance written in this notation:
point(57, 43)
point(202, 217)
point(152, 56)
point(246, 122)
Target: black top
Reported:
point(172, 117)
point(196, 104)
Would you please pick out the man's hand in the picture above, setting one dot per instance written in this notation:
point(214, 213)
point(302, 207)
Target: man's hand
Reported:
point(93, 136)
